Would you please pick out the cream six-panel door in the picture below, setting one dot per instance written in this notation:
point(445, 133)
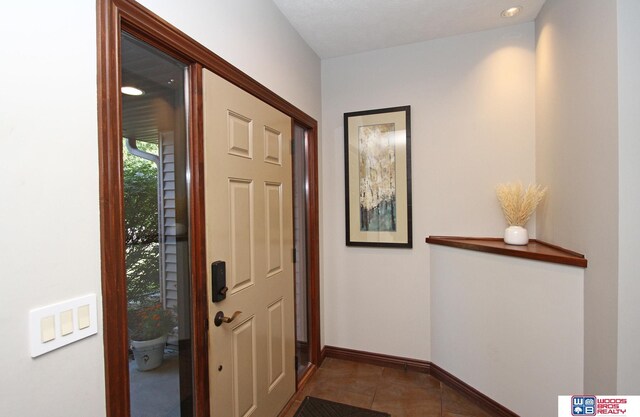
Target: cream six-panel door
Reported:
point(249, 226)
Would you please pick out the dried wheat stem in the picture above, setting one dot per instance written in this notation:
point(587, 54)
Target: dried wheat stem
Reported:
point(517, 204)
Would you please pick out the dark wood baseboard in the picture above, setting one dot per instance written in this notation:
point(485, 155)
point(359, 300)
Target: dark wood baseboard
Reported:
point(288, 406)
point(496, 409)
point(486, 402)
point(311, 370)
point(377, 359)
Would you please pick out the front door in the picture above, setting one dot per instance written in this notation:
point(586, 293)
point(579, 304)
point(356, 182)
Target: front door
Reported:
point(248, 199)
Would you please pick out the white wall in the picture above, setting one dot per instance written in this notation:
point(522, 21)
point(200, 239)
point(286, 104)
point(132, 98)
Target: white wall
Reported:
point(255, 37)
point(472, 104)
point(629, 197)
point(511, 328)
point(577, 157)
point(49, 246)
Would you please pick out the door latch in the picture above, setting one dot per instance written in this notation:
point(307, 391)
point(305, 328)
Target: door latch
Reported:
point(221, 318)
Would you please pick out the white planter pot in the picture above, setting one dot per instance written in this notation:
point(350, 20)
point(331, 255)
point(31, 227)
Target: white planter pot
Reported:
point(148, 354)
point(516, 235)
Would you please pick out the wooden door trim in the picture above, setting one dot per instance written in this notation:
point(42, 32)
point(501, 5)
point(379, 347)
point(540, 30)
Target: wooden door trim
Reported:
point(198, 249)
point(112, 17)
point(313, 243)
point(112, 213)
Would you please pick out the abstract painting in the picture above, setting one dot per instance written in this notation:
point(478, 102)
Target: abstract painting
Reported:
point(378, 177)
point(377, 171)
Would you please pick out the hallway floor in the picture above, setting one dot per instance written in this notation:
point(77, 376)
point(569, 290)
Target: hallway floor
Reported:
point(397, 392)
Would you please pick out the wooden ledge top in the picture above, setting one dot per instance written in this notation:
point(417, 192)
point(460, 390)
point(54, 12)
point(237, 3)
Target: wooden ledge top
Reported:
point(536, 250)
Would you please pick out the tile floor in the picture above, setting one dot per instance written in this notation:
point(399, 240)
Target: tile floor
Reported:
point(397, 392)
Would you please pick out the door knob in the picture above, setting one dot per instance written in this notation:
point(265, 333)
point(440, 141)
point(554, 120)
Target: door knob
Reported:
point(221, 318)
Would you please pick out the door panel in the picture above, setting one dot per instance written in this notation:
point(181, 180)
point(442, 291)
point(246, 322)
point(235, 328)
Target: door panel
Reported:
point(240, 135)
point(273, 221)
point(244, 368)
point(248, 182)
point(272, 146)
point(241, 233)
point(276, 344)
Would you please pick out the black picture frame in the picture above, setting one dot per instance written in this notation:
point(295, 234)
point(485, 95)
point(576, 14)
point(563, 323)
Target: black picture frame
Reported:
point(377, 160)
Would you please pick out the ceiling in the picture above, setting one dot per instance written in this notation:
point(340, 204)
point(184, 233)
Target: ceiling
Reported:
point(162, 80)
point(344, 27)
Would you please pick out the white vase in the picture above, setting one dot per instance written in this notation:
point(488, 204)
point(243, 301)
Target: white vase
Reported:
point(516, 235)
point(148, 354)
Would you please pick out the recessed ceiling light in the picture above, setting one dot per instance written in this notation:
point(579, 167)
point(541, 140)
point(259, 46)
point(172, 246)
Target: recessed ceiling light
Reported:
point(511, 11)
point(131, 91)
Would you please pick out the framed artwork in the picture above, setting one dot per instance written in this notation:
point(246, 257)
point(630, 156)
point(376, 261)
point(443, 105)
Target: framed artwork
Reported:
point(377, 148)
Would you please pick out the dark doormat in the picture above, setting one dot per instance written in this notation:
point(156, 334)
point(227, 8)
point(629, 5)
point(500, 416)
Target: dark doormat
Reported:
point(316, 407)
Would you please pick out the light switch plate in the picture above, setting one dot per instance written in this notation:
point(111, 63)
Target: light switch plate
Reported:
point(66, 324)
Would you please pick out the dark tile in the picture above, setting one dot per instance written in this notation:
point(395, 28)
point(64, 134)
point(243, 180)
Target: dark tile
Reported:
point(333, 393)
point(395, 391)
point(361, 384)
point(300, 395)
point(349, 368)
point(320, 377)
point(418, 379)
point(454, 403)
point(402, 400)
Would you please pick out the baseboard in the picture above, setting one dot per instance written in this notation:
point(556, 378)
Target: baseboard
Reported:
point(486, 402)
point(377, 359)
point(389, 361)
point(311, 370)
